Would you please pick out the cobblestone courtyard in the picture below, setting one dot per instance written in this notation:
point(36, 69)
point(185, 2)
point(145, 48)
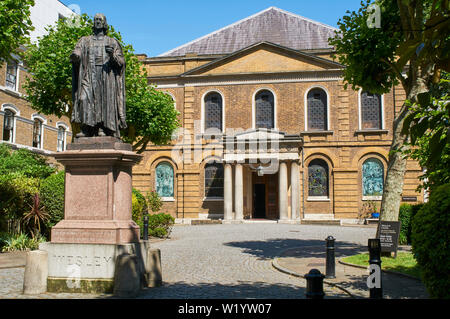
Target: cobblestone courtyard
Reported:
point(225, 261)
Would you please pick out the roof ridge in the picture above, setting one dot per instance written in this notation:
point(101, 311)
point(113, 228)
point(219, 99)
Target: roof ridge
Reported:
point(241, 21)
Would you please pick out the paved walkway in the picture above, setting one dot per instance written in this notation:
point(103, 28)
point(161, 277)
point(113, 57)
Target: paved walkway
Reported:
point(263, 261)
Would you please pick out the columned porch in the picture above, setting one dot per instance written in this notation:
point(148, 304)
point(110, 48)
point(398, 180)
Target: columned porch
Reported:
point(262, 177)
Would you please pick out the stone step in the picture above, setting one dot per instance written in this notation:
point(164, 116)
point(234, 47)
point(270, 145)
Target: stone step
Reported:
point(205, 221)
point(321, 222)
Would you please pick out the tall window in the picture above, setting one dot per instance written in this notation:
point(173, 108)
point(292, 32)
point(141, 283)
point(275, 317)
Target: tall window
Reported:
point(213, 111)
point(214, 180)
point(8, 126)
point(61, 139)
point(264, 110)
point(370, 111)
point(37, 133)
point(11, 75)
point(317, 110)
point(372, 177)
point(164, 180)
point(318, 178)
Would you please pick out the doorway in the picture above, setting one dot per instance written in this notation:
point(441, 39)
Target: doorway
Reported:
point(259, 201)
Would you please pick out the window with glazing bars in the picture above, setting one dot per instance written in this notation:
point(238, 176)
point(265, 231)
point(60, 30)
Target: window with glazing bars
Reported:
point(11, 75)
point(8, 126)
point(37, 134)
point(214, 180)
point(61, 138)
point(317, 110)
point(213, 111)
point(264, 110)
point(370, 111)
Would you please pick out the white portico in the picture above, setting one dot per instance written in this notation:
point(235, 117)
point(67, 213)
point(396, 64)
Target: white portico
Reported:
point(262, 176)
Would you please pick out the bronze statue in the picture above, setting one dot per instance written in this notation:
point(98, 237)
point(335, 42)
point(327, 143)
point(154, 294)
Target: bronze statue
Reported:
point(98, 83)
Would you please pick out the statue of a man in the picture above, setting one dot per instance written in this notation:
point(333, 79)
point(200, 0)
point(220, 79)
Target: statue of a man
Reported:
point(98, 83)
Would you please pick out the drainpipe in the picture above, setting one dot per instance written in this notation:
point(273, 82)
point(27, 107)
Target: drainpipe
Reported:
point(303, 183)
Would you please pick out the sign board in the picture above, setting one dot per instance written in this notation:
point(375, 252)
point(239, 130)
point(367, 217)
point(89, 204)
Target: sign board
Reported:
point(409, 198)
point(389, 233)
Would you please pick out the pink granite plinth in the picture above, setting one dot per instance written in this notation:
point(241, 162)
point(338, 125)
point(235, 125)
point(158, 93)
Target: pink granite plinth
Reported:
point(98, 185)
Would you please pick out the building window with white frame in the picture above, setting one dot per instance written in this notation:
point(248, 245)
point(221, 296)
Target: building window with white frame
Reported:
point(264, 110)
point(8, 126)
point(61, 139)
point(165, 180)
point(371, 111)
point(11, 75)
point(37, 133)
point(317, 110)
point(213, 111)
point(372, 178)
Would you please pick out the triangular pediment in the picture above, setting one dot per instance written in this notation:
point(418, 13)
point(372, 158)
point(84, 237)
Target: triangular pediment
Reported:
point(260, 134)
point(264, 57)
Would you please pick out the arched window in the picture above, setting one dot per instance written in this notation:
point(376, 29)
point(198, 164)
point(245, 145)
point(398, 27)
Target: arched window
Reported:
point(61, 139)
point(317, 110)
point(213, 111)
point(372, 177)
point(318, 178)
point(214, 180)
point(37, 133)
point(371, 111)
point(8, 126)
point(164, 180)
point(264, 110)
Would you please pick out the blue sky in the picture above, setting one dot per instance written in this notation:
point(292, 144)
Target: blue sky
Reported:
point(154, 27)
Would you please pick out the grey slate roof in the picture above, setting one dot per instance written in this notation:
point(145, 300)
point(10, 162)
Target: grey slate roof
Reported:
point(271, 25)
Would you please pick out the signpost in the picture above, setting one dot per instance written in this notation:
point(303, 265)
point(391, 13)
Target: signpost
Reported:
point(389, 233)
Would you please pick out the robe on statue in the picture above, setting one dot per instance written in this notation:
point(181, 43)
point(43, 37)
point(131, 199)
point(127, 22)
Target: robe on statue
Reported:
point(98, 86)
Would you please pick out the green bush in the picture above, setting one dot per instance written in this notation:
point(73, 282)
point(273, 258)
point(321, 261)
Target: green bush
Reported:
point(20, 242)
point(52, 197)
point(404, 217)
point(160, 225)
point(430, 242)
point(138, 206)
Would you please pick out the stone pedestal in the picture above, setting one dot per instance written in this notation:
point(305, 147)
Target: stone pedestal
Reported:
point(97, 228)
point(97, 208)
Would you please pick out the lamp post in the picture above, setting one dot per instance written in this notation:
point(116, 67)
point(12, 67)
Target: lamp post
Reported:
point(375, 288)
point(145, 235)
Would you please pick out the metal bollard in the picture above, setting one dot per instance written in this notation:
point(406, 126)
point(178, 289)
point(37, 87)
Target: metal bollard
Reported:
point(145, 235)
point(376, 290)
point(314, 284)
point(330, 260)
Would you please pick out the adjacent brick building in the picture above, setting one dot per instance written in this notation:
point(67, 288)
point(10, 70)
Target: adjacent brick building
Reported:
point(269, 130)
point(20, 125)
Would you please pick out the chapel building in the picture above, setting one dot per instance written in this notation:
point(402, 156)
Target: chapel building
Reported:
point(268, 129)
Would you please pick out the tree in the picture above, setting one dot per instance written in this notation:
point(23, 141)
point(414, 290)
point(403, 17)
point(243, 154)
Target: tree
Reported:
point(15, 26)
point(410, 46)
point(151, 116)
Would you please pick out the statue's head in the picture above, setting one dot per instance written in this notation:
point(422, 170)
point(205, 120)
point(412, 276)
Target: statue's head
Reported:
point(100, 22)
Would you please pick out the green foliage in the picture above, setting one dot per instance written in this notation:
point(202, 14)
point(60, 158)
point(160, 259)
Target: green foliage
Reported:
point(15, 26)
point(368, 53)
point(151, 115)
point(154, 201)
point(52, 197)
point(24, 162)
point(430, 242)
point(160, 225)
point(429, 129)
point(20, 242)
point(406, 214)
point(139, 205)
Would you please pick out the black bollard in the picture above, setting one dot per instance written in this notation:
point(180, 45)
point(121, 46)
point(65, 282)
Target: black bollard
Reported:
point(314, 284)
point(330, 260)
point(374, 280)
point(145, 235)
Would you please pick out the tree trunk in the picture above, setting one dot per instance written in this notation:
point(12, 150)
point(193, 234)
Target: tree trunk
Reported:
point(393, 186)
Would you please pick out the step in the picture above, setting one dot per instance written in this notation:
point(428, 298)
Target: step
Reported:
point(205, 221)
point(321, 222)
